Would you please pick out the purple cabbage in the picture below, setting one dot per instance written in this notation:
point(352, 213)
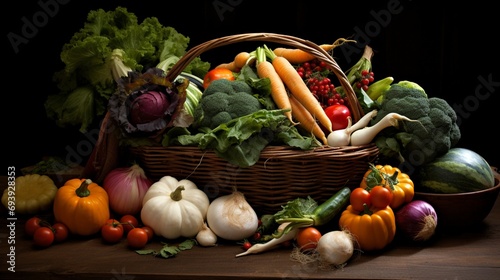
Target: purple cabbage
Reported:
point(146, 103)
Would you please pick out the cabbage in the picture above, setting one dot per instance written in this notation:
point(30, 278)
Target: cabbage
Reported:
point(110, 45)
point(146, 103)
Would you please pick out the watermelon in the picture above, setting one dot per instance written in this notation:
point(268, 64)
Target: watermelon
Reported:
point(459, 170)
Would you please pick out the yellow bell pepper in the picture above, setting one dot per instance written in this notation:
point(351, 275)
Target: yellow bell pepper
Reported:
point(399, 183)
point(31, 194)
point(373, 228)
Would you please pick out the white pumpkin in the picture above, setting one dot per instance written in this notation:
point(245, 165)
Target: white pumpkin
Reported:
point(174, 208)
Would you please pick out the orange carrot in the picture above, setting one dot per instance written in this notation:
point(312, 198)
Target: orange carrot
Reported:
point(298, 56)
point(306, 120)
point(298, 88)
point(239, 61)
point(265, 69)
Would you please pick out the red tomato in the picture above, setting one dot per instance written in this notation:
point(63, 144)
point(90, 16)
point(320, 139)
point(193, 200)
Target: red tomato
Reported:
point(216, 74)
point(149, 231)
point(129, 222)
point(61, 232)
point(338, 114)
point(137, 238)
point(112, 231)
point(381, 197)
point(43, 237)
point(31, 225)
point(359, 197)
point(307, 238)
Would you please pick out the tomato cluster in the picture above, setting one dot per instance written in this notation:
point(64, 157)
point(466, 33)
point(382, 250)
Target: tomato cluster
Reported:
point(43, 233)
point(379, 197)
point(127, 226)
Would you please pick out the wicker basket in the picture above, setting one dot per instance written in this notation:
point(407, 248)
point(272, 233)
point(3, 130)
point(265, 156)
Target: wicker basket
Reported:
point(282, 173)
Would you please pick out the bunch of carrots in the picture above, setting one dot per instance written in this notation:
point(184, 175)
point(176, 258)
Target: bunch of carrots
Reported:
point(288, 89)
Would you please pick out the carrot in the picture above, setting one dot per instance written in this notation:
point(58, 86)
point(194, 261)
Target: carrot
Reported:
point(298, 88)
point(298, 56)
point(265, 69)
point(239, 61)
point(306, 120)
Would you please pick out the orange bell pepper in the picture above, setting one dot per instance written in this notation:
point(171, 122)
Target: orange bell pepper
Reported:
point(373, 228)
point(399, 183)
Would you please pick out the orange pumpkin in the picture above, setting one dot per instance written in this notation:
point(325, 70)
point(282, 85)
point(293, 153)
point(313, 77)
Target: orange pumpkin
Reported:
point(83, 206)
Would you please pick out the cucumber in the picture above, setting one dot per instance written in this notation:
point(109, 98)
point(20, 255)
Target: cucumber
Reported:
point(327, 210)
point(459, 170)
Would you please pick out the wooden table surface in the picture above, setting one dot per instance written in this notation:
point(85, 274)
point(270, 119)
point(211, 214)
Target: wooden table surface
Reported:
point(472, 253)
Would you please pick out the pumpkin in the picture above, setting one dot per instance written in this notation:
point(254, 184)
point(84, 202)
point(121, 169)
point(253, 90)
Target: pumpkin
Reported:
point(30, 194)
point(174, 208)
point(391, 177)
point(373, 228)
point(82, 205)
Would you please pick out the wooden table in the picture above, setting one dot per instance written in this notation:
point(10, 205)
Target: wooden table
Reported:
point(464, 254)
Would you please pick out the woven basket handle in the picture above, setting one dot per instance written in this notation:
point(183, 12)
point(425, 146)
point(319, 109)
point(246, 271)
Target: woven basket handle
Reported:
point(305, 45)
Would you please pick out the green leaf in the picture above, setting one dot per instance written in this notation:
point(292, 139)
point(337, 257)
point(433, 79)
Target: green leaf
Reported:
point(186, 245)
point(146, 252)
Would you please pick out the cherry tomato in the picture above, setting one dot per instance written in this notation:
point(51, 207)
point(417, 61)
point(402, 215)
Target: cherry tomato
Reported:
point(246, 245)
point(216, 74)
point(137, 238)
point(31, 225)
point(149, 231)
point(129, 222)
point(307, 238)
point(381, 197)
point(112, 231)
point(43, 237)
point(61, 232)
point(338, 115)
point(359, 197)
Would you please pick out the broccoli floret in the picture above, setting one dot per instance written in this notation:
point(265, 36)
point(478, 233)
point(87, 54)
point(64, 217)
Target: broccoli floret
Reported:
point(224, 100)
point(416, 143)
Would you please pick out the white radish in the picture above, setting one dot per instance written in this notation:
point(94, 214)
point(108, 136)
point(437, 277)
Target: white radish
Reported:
point(367, 134)
point(271, 244)
point(342, 137)
point(335, 247)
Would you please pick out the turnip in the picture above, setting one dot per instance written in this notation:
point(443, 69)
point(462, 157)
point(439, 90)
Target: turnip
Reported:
point(335, 247)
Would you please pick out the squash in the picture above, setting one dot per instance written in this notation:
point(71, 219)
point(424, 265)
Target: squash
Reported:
point(82, 205)
point(174, 208)
point(30, 194)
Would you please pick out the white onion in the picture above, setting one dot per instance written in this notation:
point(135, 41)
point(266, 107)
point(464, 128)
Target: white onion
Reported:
point(231, 217)
point(206, 237)
point(417, 220)
point(126, 187)
point(335, 247)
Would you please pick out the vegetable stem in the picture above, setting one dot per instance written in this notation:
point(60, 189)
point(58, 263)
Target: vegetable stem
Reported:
point(177, 194)
point(83, 190)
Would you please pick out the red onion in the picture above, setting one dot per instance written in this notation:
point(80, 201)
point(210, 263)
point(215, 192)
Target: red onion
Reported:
point(126, 187)
point(417, 220)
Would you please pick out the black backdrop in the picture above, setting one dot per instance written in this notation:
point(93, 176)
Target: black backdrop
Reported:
point(450, 51)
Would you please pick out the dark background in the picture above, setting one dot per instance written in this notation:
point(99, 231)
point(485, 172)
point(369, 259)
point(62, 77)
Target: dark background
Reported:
point(445, 49)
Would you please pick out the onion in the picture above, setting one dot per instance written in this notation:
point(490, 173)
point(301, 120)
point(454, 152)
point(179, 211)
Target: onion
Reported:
point(206, 237)
point(417, 220)
point(335, 247)
point(126, 187)
point(231, 217)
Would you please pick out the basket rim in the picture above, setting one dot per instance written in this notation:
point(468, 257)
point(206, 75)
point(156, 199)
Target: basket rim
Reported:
point(305, 45)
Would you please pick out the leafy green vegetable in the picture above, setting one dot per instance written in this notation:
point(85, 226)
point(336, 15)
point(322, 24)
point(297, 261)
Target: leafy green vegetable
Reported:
point(169, 251)
point(109, 45)
point(241, 140)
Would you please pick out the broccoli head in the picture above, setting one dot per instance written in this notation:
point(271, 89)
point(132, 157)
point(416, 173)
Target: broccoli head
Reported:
point(224, 100)
point(416, 143)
